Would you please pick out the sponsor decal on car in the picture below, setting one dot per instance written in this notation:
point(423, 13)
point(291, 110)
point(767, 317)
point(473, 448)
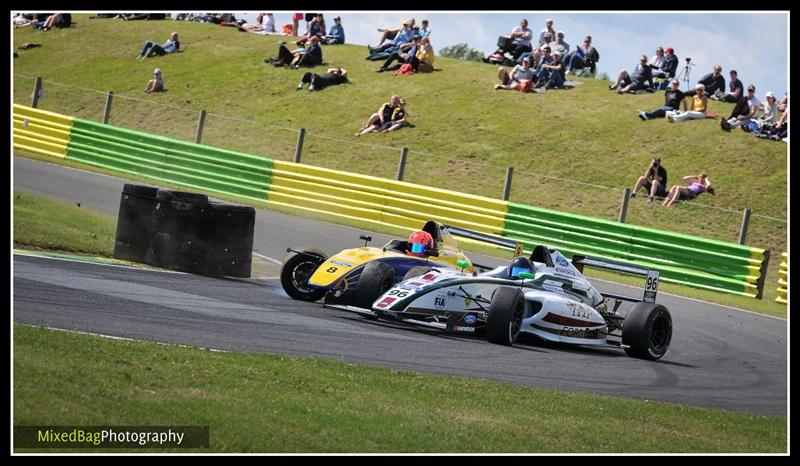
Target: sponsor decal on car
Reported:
point(560, 260)
point(573, 332)
point(470, 319)
point(439, 301)
point(564, 271)
point(428, 277)
point(463, 329)
point(386, 302)
point(342, 263)
point(554, 286)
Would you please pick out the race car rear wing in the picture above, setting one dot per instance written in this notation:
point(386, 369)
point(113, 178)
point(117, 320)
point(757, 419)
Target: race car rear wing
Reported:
point(650, 287)
point(491, 239)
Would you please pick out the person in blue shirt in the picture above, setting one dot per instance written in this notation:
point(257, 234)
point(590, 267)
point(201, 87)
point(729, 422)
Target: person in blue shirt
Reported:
point(170, 46)
point(336, 34)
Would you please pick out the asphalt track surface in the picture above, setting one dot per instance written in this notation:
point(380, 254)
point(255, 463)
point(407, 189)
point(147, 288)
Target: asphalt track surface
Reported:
point(719, 357)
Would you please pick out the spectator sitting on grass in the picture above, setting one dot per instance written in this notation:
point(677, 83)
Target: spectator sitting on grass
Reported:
point(384, 114)
point(672, 101)
point(393, 37)
point(714, 82)
point(623, 79)
point(769, 112)
point(699, 107)
point(520, 78)
point(398, 119)
point(156, 84)
point(654, 181)
point(425, 57)
point(521, 39)
point(551, 75)
point(584, 56)
point(424, 31)
point(310, 56)
point(641, 78)
point(744, 111)
point(405, 54)
point(336, 34)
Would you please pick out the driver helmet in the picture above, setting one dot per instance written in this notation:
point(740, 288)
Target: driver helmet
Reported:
point(419, 242)
point(518, 265)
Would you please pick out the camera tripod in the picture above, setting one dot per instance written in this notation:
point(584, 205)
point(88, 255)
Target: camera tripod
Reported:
point(684, 74)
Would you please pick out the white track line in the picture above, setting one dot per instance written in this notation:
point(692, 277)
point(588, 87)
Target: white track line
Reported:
point(273, 260)
point(113, 337)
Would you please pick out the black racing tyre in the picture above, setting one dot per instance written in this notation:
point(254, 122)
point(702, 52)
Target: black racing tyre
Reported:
point(376, 278)
point(182, 196)
point(647, 331)
point(296, 270)
point(416, 271)
point(505, 316)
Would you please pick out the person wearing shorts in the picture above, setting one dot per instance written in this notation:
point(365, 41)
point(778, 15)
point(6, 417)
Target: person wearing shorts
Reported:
point(654, 180)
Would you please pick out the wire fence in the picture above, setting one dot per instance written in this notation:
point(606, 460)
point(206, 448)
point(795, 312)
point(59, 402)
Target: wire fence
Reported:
point(466, 174)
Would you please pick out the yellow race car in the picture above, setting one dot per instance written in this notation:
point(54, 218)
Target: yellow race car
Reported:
point(358, 276)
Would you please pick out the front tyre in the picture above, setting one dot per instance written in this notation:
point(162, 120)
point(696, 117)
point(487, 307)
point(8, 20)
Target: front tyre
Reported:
point(647, 331)
point(505, 316)
point(295, 272)
point(376, 278)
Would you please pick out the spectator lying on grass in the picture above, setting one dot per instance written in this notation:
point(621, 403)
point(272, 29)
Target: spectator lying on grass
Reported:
point(697, 186)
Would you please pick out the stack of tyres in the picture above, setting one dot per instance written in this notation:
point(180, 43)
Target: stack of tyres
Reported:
point(185, 232)
point(135, 223)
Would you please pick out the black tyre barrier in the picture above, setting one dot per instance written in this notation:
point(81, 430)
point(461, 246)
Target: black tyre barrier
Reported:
point(185, 232)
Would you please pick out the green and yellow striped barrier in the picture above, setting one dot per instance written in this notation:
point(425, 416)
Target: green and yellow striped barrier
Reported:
point(688, 260)
point(783, 279)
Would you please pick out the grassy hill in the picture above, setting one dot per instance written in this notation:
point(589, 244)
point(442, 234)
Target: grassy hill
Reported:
point(572, 150)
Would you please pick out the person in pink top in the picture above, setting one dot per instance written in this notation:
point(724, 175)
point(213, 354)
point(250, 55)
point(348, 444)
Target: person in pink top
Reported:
point(697, 185)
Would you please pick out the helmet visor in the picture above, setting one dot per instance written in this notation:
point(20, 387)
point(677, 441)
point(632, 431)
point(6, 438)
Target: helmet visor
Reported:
point(515, 271)
point(417, 248)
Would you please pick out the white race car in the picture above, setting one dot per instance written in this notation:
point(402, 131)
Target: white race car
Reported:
point(546, 296)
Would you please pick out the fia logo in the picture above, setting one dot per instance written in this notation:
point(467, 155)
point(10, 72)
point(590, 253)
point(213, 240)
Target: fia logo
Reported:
point(439, 301)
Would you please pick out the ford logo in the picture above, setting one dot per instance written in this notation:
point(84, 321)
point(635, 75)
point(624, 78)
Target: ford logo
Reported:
point(560, 260)
point(470, 319)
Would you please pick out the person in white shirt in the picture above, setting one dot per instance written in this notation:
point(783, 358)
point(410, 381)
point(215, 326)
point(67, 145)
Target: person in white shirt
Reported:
point(521, 37)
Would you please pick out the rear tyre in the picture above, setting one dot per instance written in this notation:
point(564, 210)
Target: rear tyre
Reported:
point(376, 278)
point(505, 316)
point(295, 272)
point(647, 331)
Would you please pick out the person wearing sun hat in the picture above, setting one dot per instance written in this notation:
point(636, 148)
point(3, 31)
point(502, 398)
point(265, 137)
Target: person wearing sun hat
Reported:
point(769, 112)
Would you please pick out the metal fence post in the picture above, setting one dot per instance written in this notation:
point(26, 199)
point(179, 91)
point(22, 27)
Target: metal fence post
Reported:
point(200, 124)
point(623, 209)
point(37, 89)
point(298, 150)
point(762, 276)
point(401, 166)
point(745, 226)
point(107, 111)
point(507, 185)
